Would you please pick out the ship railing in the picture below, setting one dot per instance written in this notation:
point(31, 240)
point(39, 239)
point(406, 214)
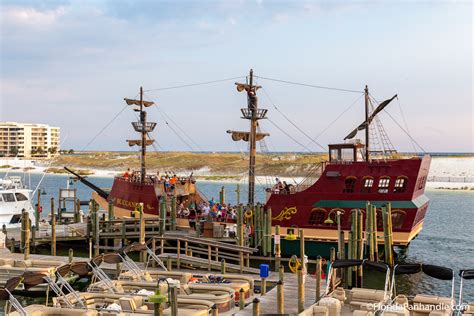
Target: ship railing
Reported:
point(310, 179)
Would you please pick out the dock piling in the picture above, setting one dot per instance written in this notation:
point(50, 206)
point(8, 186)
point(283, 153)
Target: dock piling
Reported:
point(300, 289)
point(276, 240)
point(319, 267)
point(214, 310)
point(70, 255)
point(223, 266)
point(241, 299)
point(173, 213)
point(256, 307)
point(53, 229)
point(25, 234)
point(280, 298)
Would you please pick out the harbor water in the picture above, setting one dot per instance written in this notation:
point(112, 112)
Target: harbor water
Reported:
point(447, 238)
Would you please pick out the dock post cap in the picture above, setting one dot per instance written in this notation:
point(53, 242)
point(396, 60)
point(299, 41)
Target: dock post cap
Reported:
point(256, 300)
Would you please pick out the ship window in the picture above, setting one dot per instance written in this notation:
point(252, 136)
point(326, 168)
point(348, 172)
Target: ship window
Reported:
point(8, 197)
point(400, 185)
point(349, 185)
point(349, 221)
point(398, 217)
point(21, 197)
point(384, 183)
point(15, 219)
point(367, 185)
point(317, 217)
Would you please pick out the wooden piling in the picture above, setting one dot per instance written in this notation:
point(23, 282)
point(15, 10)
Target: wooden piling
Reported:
point(169, 263)
point(111, 210)
point(375, 233)
point(241, 299)
point(173, 213)
point(269, 231)
point(162, 215)
point(340, 237)
point(360, 247)
point(77, 210)
point(256, 307)
point(222, 195)
point(281, 273)
point(12, 245)
point(174, 300)
point(70, 255)
point(141, 240)
point(26, 226)
point(387, 232)
point(223, 266)
point(53, 229)
point(96, 232)
point(263, 287)
point(214, 310)
point(300, 289)
point(280, 298)
point(277, 242)
point(319, 267)
point(302, 250)
point(263, 228)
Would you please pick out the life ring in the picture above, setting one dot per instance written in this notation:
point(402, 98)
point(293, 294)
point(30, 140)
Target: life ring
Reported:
point(294, 263)
point(248, 214)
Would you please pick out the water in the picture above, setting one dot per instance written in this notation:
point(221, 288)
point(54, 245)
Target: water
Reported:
point(447, 238)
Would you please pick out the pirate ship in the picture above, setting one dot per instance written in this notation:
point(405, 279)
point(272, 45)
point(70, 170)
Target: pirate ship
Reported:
point(132, 188)
point(354, 176)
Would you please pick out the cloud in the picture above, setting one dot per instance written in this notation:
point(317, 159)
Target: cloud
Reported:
point(31, 17)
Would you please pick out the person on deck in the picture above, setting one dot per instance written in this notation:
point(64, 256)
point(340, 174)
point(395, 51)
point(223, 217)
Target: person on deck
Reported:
point(126, 174)
point(173, 181)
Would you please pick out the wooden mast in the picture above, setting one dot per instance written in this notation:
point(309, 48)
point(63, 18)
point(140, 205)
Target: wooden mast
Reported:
point(252, 104)
point(143, 127)
point(143, 132)
point(253, 114)
point(366, 94)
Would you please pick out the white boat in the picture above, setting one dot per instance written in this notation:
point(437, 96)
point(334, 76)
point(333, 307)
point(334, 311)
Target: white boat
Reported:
point(14, 197)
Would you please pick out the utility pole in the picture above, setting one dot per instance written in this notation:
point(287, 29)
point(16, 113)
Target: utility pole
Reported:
point(143, 127)
point(367, 124)
point(253, 114)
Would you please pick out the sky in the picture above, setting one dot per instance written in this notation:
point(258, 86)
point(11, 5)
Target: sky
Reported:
point(71, 63)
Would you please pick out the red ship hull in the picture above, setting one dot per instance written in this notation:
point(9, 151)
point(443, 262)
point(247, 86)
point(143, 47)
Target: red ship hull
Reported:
point(333, 191)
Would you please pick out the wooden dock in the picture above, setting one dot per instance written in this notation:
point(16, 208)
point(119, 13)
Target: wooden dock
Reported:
point(268, 302)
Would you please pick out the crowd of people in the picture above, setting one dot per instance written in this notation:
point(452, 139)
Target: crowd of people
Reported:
point(169, 181)
point(209, 210)
point(281, 187)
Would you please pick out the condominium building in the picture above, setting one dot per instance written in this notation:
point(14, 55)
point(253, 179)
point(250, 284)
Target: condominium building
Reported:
point(28, 140)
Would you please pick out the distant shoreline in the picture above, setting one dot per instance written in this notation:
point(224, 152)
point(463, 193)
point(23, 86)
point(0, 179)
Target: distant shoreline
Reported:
point(446, 173)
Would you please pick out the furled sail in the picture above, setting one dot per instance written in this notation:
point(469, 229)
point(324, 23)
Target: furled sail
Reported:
point(245, 136)
point(364, 124)
point(138, 142)
point(137, 102)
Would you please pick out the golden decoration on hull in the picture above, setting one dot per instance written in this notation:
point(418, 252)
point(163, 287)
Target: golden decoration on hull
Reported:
point(286, 214)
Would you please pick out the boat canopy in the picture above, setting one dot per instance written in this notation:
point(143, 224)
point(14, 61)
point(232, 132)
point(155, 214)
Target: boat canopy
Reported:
point(434, 271)
point(467, 274)
point(346, 263)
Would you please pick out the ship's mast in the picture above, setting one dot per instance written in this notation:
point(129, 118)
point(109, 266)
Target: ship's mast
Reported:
point(252, 105)
point(253, 114)
point(366, 94)
point(143, 127)
point(143, 132)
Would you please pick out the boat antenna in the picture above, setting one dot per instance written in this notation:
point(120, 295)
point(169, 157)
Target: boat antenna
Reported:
point(253, 114)
point(143, 127)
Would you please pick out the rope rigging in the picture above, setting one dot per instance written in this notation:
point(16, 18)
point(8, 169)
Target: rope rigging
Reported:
point(194, 84)
point(401, 127)
point(338, 117)
point(105, 127)
point(291, 122)
point(309, 85)
point(289, 136)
